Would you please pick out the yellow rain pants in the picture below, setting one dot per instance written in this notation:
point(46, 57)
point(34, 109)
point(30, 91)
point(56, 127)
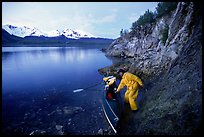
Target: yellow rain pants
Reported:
point(132, 82)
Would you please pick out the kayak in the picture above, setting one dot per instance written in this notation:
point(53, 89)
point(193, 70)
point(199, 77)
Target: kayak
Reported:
point(112, 107)
point(112, 111)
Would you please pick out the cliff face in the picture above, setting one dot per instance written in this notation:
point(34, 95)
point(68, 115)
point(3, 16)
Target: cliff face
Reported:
point(145, 46)
point(171, 102)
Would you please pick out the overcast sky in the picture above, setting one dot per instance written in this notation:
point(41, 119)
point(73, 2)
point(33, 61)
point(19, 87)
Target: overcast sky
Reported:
point(101, 19)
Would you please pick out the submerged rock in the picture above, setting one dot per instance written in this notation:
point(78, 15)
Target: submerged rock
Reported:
point(68, 110)
point(60, 133)
point(100, 131)
point(59, 129)
point(29, 116)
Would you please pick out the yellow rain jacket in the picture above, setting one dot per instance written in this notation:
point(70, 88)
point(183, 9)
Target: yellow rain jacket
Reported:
point(132, 82)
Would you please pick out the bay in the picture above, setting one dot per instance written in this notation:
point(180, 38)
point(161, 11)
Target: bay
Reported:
point(37, 90)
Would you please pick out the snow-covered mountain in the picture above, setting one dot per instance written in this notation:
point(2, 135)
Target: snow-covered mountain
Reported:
point(69, 33)
point(28, 31)
point(54, 33)
point(23, 31)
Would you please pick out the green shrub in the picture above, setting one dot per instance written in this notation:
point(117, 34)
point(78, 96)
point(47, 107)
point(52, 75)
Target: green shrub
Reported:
point(165, 34)
point(148, 17)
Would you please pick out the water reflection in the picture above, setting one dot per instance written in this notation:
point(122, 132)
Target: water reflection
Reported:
point(33, 68)
point(56, 54)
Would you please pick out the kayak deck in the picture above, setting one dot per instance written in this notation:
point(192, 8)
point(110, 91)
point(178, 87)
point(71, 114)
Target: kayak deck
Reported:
point(112, 110)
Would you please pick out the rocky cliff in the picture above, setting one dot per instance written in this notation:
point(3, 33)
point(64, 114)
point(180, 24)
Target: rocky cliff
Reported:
point(171, 101)
point(146, 47)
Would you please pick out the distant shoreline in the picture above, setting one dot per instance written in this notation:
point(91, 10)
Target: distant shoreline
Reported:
point(81, 45)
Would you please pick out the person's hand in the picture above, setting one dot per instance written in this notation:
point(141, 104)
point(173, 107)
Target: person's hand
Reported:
point(142, 86)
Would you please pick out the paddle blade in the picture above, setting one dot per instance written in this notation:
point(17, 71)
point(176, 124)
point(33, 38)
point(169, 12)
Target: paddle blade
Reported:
point(78, 90)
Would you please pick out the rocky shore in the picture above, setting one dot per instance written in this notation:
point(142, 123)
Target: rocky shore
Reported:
point(172, 73)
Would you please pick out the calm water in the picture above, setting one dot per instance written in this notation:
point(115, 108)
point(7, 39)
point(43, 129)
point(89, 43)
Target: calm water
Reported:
point(37, 90)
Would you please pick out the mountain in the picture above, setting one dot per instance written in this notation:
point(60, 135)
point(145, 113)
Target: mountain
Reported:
point(23, 31)
point(26, 35)
point(28, 31)
point(57, 40)
point(8, 38)
point(69, 33)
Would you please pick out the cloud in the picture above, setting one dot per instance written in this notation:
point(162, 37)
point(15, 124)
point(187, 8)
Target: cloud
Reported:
point(76, 22)
point(84, 22)
point(114, 10)
point(47, 17)
point(106, 19)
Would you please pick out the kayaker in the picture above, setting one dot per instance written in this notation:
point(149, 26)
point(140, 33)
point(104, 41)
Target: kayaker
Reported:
point(133, 84)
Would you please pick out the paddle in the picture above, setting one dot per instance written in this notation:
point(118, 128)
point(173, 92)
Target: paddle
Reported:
point(81, 89)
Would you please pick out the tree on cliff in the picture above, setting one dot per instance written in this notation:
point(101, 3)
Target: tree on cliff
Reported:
point(148, 17)
point(123, 32)
point(164, 8)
